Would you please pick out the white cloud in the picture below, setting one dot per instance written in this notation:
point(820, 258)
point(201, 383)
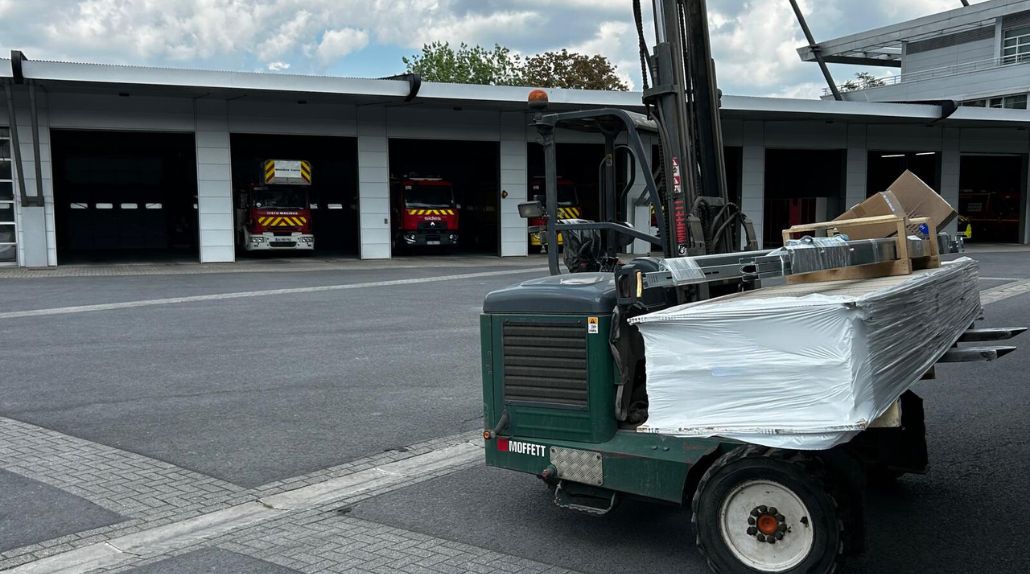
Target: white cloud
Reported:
point(286, 37)
point(278, 66)
point(754, 41)
point(336, 44)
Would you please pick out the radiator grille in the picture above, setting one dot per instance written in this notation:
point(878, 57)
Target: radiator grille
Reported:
point(545, 363)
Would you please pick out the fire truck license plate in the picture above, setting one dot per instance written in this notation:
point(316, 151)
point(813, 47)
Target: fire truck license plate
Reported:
point(432, 243)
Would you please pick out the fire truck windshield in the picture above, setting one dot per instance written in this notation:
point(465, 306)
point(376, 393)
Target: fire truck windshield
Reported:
point(428, 196)
point(566, 196)
point(280, 198)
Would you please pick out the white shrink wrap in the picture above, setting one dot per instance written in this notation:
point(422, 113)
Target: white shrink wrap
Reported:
point(803, 366)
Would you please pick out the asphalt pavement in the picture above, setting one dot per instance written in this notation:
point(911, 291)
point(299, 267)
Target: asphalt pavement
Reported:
point(256, 389)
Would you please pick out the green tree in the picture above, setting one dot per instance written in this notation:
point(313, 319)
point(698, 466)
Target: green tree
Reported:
point(439, 62)
point(862, 81)
point(566, 69)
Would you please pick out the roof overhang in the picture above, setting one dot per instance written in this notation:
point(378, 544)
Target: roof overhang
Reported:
point(882, 46)
point(167, 82)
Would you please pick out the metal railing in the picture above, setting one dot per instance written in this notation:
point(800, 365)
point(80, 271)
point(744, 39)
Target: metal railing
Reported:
point(932, 73)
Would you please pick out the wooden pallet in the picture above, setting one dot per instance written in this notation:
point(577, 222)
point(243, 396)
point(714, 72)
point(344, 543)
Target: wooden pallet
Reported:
point(903, 265)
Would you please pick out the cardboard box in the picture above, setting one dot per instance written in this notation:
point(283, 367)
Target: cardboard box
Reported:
point(907, 196)
point(883, 203)
point(920, 200)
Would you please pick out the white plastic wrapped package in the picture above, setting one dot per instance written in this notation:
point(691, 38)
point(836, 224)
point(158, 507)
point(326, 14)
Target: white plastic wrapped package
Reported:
point(803, 366)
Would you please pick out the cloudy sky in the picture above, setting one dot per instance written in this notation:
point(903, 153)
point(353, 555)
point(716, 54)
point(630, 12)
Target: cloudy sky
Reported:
point(754, 41)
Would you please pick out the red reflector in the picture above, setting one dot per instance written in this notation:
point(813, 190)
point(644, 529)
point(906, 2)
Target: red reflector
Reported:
point(502, 444)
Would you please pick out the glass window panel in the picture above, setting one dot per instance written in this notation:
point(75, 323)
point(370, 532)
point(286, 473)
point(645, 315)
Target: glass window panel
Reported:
point(5, 132)
point(7, 234)
point(5, 149)
point(8, 253)
point(1016, 102)
point(6, 213)
point(6, 191)
point(5, 169)
point(1022, 31)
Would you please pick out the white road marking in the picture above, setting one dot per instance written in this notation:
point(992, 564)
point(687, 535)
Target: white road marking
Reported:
point(1003, 292)
point(246, 294)
point(170, 537)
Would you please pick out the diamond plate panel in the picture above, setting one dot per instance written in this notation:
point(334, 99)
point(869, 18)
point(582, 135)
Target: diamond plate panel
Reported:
point(582, 466)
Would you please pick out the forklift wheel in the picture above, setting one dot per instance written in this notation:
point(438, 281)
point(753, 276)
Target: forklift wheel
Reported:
point(767, 510)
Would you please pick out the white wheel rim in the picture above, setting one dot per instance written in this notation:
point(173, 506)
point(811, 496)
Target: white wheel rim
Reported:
point(789, 550)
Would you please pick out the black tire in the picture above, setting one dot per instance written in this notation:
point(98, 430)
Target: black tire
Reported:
point(801, 474)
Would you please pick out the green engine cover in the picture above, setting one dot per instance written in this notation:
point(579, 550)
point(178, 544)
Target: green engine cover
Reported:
point(548, 366)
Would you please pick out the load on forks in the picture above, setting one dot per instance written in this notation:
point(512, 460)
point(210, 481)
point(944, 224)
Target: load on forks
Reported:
point(762, 388)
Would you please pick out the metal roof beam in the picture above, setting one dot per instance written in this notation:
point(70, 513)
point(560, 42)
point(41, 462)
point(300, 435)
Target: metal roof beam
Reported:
point(967, 17)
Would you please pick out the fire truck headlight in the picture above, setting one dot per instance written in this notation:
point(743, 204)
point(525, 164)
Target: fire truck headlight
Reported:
point(454, 238)
point(257, 240)
point(409, 237)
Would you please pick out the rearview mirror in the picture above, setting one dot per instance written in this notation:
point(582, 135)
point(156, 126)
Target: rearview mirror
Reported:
point(531, 209)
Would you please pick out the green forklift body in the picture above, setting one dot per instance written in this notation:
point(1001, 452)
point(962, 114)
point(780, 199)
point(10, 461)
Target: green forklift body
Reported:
point(548, 374)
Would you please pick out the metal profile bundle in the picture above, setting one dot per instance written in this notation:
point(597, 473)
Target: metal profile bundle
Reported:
point(804, 366)
point(801, 256)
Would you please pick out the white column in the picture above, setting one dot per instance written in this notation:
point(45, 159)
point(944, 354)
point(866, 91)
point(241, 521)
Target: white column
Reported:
point(514, 176)
point(374, 184)
point(951, 159)
point(857, 170)
point(753, 177)
point(214, 182)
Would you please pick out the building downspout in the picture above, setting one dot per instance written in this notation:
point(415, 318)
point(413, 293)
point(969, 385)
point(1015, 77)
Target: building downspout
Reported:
point(37, 164)
point(16, 145)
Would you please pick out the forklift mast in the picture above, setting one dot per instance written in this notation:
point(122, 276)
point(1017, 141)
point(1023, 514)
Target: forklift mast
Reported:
point(687, 185)
point(685, 100)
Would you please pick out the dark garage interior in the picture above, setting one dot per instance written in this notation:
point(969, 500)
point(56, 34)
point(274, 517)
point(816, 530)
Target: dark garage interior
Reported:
point(885, 167)
point(579, 164)
point(991, 197)
point(801, 186)
point(473, 170)
point(333, 193)
point(124, 195)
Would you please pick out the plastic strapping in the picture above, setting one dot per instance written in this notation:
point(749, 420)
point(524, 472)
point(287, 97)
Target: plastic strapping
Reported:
point(683, 269)
point(817, 253)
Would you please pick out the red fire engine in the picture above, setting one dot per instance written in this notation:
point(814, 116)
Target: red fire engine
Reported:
point(424, 212)
point(277, 215)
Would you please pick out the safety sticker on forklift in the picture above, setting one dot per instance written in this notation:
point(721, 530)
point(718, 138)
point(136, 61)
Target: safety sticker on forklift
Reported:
point(518, 447)
point(592, 325)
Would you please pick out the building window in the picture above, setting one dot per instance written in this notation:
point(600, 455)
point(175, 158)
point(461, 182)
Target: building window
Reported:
point(1016, 45)
point(1013, 102)
point(8, 232)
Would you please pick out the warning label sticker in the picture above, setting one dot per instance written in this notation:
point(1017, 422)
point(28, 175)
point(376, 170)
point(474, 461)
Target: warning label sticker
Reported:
point(592, 325)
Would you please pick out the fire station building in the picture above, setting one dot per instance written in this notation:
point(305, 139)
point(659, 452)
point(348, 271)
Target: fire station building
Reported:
point(104, 162)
